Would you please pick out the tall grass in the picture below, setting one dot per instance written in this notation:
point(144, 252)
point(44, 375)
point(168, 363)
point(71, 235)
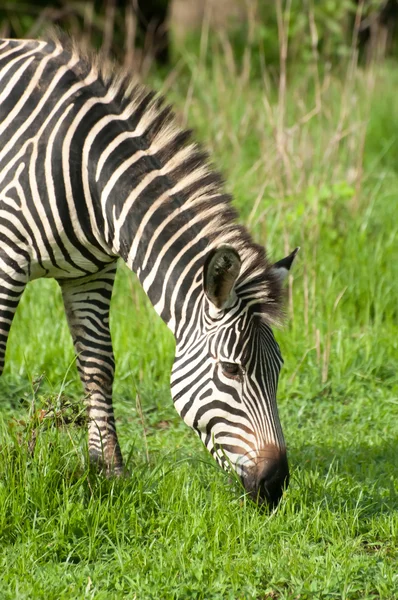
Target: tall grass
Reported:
point(309, 156)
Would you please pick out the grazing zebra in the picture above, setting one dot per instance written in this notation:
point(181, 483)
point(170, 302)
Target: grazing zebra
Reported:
point(94, 167)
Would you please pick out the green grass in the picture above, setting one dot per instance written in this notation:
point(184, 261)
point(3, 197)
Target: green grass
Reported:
point(178, 528)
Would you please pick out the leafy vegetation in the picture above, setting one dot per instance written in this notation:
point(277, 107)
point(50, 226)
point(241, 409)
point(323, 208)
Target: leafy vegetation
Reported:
point(310, 163)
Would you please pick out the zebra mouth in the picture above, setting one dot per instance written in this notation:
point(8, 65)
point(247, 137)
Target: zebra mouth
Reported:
point(267, 481)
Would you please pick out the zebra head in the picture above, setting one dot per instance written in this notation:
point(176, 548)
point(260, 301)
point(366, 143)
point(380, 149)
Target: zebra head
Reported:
point(225, 376)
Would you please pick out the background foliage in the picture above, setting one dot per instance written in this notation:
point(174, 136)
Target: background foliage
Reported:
point(323, 27)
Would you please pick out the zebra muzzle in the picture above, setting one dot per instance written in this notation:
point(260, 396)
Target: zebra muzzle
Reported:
point(268, 479)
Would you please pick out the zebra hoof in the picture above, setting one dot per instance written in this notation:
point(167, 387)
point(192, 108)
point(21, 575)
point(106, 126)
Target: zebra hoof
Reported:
point(110, 469)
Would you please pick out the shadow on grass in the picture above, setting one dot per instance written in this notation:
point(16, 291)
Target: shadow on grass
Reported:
point(360, 475)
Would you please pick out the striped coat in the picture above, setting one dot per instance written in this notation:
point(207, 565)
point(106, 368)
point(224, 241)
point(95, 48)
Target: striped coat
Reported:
point(94, 167)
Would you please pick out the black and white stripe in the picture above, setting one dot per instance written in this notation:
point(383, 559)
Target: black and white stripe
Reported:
point(93, 167)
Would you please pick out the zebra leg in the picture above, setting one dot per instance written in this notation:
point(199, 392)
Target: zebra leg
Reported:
point(87, 303)
point(11, 290)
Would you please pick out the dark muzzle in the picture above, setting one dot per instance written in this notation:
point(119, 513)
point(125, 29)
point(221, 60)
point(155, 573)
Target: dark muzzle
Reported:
point(269, 478)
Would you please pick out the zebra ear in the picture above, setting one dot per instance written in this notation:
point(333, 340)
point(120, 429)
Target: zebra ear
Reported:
point(282, 267)
point(220, 272)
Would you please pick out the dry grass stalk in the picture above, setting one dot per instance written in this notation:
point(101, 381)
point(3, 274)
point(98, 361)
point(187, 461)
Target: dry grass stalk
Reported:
point(130, 36)
point(109, 26)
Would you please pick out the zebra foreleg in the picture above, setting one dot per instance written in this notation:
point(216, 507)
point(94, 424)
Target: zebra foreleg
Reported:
point(11, 290)
point(87, 303)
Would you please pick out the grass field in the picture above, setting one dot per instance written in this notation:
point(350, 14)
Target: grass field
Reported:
point(314, 164)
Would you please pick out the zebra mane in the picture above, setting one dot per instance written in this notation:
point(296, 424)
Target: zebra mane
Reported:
point(203, 185)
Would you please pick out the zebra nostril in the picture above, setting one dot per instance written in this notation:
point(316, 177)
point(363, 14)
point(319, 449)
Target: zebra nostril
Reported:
point(272, 480)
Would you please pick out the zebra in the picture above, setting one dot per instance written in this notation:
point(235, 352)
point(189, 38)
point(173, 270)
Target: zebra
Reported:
point(93, 167)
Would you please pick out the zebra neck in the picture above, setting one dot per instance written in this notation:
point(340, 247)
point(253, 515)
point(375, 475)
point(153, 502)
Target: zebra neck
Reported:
point(172, 281)
point(161, 238)
point(158, 205)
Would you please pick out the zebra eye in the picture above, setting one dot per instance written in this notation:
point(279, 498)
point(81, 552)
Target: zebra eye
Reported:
point(231, 370)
